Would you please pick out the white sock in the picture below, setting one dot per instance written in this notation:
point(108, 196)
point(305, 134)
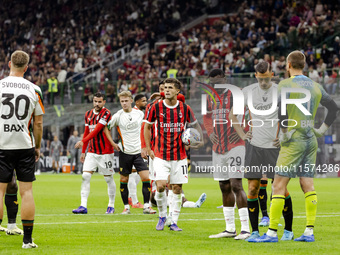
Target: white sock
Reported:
point(271, 233)
point(11, 226)
point(308, 232)
point(111, 190)
point(244, 218)
point(189, 204)
point(127, 206)
point(137, 179)
point(146, 205)
point(132, 186)
point(161, 203)
point(176, 207)
point(85, 188)
point(170, 204)
point(229, 216)
point(169, 201)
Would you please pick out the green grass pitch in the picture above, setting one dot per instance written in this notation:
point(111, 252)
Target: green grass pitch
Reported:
point(58, 231)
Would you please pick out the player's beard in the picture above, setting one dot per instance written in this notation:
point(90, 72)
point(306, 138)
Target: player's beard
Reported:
point(98, 109)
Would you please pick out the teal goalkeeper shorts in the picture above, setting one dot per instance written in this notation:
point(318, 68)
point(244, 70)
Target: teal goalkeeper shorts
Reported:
point(297, 158)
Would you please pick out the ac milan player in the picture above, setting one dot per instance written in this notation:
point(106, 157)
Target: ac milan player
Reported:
point(169, 153)
point(144, 150)
point(99, 155)
point(157, 97)
point(228, 156)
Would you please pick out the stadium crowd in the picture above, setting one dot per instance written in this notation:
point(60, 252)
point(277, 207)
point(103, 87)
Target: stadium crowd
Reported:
point(237, 42)
point(66, 37)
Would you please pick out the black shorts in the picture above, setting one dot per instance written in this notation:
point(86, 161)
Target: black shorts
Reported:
point(126, 162)
point(22, 161)
point(260, 161)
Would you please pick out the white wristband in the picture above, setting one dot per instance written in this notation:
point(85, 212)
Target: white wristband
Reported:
point(323, 128)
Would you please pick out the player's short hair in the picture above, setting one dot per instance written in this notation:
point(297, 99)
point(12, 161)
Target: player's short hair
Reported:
point(125, 94)
point(297, 59)
point(98, 94)
point(19, 59)
point(138, 97)
point(216, 73)
point(161, 82)
point(263, 67)
point(217, 76)
point(177, 83)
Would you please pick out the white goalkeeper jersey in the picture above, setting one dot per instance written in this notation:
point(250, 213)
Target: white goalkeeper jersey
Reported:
point(128, 126)
point(20, 101)
point(265, 128)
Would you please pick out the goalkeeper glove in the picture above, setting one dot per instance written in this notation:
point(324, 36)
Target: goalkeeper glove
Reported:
point(285, 137)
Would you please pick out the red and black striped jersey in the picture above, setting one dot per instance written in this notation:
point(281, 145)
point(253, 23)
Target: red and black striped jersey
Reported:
point(217, 121)
point(170, 123)
point(99, 144)
point(180, 97)
point(153, 131)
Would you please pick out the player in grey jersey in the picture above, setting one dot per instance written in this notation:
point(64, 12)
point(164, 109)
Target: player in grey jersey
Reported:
point(263, 148)
point(73, 152)
point(56, 150)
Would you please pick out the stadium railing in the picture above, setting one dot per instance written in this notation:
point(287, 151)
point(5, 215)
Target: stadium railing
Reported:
point(74, 93)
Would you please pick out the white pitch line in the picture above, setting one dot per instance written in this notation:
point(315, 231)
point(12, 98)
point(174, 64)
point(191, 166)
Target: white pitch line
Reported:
point(98, 214)
point(143, 221)
point(115, 215)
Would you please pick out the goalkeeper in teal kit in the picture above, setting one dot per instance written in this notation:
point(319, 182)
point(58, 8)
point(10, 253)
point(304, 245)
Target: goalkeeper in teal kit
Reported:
point(298, 144)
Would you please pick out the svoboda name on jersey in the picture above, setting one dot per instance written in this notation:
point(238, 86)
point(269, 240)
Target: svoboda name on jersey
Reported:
point(15, 85)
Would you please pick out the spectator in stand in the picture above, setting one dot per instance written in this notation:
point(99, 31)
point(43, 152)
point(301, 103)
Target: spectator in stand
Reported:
point(78, 69)
point(281, 65)
point(124, 86)
point(321, 67)
point(62, 74)
point(336, 46)
point(133, 88)
point(172, 72)
point(135, 54)
point(313, 74)
point(336, 62)
point(110, 93)
point(52, 89)
point(332, 82)
point(325, 54)
point(88, 93)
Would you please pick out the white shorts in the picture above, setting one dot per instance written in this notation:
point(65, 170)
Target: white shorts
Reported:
point(104, 163)
point(177, 169)
point(229, 165)
point(152, 174)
